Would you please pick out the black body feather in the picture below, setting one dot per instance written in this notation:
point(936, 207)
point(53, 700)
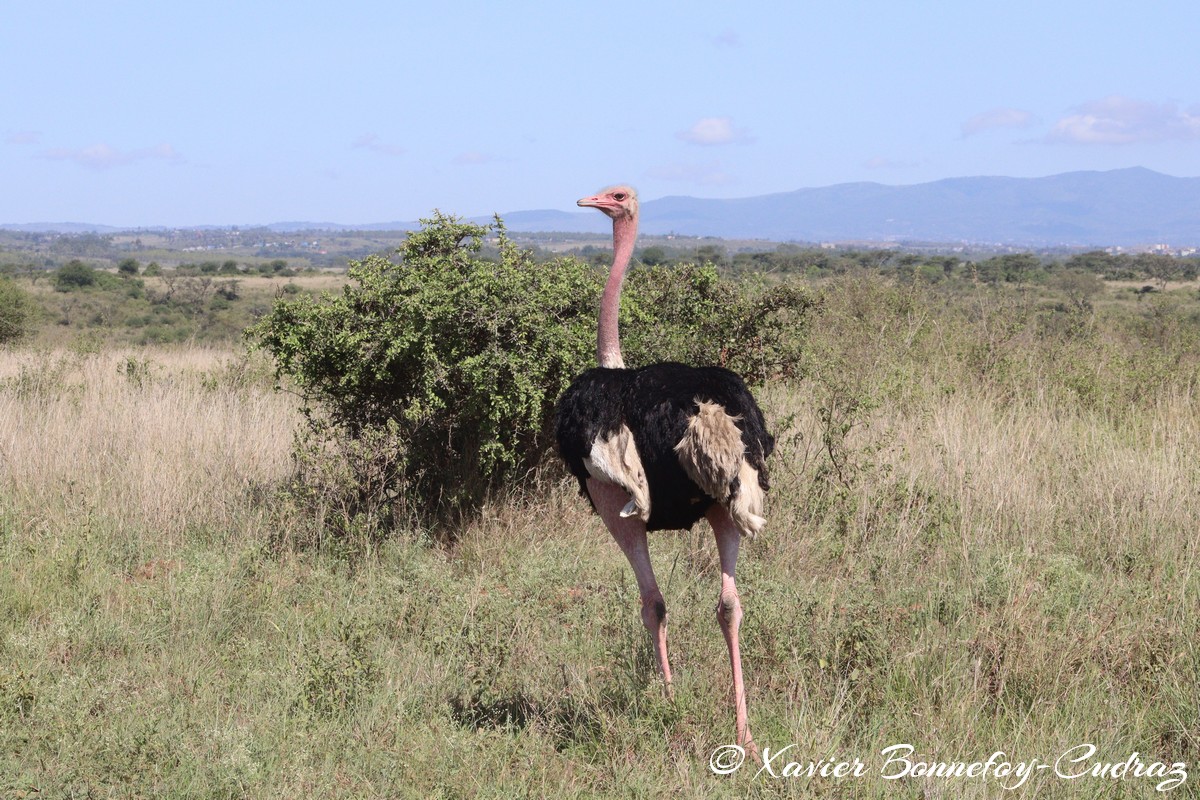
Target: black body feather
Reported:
point(656, 402)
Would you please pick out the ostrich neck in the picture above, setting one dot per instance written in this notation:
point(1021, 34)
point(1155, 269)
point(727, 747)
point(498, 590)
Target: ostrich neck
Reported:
point(608, 337)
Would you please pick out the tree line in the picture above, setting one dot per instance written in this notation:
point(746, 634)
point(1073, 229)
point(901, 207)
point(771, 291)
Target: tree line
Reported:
point(795, 260)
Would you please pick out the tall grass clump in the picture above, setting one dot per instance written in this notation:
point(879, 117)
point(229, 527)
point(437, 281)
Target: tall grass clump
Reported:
point(883, 353)
point(157, 442)
point(430, 381)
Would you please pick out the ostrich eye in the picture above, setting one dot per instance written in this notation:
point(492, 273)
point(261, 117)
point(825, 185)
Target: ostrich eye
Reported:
point(619, 196)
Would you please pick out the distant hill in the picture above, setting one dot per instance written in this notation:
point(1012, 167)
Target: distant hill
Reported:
point(1120, 207)
point(59, 227)
point(1123, 207)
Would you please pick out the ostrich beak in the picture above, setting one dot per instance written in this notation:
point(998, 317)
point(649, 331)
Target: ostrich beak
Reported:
point(602, 203)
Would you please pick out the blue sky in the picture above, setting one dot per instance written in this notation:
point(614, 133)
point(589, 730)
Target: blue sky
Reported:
point(185, 113)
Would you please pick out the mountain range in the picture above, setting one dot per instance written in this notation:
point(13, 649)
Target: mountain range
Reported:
point(1124, 207)
point(1119, 207)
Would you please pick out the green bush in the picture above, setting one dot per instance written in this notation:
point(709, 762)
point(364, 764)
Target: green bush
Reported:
point(466, 356)
point(457, 361)
point(16, 309)
point(687, 313)
point(74, 275)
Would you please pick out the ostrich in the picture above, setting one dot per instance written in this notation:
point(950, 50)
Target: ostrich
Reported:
point(658, 448)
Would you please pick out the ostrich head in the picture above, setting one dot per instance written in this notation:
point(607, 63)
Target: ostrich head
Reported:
point(616, 201)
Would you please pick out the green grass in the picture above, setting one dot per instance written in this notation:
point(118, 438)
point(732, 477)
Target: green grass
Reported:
point(982, 537)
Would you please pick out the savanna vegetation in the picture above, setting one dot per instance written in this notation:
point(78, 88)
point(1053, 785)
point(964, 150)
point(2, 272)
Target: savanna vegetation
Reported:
point(373, 583)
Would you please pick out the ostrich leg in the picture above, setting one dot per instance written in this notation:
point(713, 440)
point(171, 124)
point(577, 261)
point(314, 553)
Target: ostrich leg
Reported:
point(729, 615)
point(630, 533)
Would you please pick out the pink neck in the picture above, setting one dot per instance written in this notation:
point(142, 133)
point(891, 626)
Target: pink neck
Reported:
point(608, 337)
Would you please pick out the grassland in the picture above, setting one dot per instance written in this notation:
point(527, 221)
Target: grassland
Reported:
point(174, 308)
point(982, 537)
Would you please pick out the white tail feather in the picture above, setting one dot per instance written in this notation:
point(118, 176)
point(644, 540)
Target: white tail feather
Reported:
point(616, 460)
point(712, 454)
point(746, 506)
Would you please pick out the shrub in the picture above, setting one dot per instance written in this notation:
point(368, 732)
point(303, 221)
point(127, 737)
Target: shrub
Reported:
point(74, 275)
point(466, 356)
point(689, 314)
point(457, 361)
point(228, 290)
point(16, 309)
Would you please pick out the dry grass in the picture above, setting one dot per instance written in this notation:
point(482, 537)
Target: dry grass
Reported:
point(965, 553)
point(155, 440)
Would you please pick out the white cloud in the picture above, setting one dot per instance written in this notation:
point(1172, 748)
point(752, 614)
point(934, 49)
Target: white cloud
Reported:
point(105, 156)
point(1124, 120)
point(371, 142)
point(23, 137)
point(711, 131)
point(997, 118)
point(709, 174)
